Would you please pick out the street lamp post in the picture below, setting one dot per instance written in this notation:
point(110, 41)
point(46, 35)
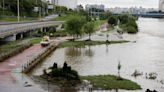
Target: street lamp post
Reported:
point(18, 15)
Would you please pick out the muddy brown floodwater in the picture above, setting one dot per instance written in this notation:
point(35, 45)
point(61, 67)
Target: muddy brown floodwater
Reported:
point(145, 55)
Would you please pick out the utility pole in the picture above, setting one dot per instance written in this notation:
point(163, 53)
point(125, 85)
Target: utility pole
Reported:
point(18, 16)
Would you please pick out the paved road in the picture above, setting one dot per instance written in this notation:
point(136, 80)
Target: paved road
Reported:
point(9, 29)
point(50, 17)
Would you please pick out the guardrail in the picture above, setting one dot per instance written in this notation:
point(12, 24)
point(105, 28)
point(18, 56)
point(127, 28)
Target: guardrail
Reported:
point(30, 64)
point(8, 30)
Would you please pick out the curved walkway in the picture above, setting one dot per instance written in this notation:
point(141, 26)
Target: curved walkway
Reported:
point(11, 78)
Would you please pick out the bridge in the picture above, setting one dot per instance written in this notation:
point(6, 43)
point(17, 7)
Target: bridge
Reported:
point(151, 15)
point(9, 31)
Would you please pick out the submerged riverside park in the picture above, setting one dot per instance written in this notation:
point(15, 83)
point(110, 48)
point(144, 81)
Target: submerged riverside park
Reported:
point(59, 46)
point(115, 58)
point(136, 58)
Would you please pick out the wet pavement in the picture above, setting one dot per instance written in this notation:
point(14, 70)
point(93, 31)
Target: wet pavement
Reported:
point(11, 78)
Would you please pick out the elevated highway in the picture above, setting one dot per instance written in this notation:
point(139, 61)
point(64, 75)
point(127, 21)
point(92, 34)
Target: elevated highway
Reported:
point(15, 28)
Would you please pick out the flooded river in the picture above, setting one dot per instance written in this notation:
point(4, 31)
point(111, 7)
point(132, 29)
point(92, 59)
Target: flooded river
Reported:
point(146, 55)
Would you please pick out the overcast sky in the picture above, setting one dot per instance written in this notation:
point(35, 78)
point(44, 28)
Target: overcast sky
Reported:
point(122, 3)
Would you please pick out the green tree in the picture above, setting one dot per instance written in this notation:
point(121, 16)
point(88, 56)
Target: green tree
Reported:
point(124, 18)
point(26, 6)
point(89, 29)
point(128, 23)
point(74, 25)
point(112, 20)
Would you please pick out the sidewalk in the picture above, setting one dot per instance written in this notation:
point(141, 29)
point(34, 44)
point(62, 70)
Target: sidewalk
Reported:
point(10, 79)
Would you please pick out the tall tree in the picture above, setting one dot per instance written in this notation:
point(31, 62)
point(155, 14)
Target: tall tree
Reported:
point(112, 20)
point(89, 29)
point(74, 25)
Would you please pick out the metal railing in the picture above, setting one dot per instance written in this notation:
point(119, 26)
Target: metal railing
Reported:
point(32, 62)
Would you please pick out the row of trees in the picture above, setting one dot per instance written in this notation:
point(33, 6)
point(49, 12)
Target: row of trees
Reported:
point(78, 25)
point(127, 22)
point(26, 6)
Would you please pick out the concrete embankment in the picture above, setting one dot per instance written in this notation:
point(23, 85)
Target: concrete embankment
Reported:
point(28, 66)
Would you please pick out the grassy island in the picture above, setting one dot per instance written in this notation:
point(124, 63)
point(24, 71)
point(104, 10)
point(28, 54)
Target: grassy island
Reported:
point(83, 43)
point(65, 76)
point(111, 82)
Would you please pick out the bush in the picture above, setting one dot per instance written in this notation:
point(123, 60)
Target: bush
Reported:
point(112, 20)
point(128, 23)
point(66, 72)
point(131, 30)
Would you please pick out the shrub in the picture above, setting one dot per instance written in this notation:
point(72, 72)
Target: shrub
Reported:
point(131, 30)
point(112, 20)
point(66, 72)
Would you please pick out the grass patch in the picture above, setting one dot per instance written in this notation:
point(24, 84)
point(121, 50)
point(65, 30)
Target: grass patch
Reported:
point(98, 23)
point(36, 40)
point(63, 17)
point(15, 19)
point(111, 82)
point(83, 43)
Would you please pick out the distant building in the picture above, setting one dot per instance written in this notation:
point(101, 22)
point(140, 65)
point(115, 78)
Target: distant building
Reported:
point(95, 10)
point(100, 7)
point(70, 4)
point(132, 10)
point(161, 5)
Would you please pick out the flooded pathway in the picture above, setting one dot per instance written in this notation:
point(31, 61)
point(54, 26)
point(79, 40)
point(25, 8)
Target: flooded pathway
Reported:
point(11, 78)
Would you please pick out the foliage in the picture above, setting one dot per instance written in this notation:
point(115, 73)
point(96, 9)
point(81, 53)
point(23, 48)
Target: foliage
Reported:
point(66, 72)
point(124, 18)
point(74, 25)
point(105, 15)
point(26, 6)
point(83, 43)
point(111, 82)
point(131, 30)
point(128, 23)
point(60, 33)
point(61, 9)
point(97, 24)
point(89, 29)
point(112, 20)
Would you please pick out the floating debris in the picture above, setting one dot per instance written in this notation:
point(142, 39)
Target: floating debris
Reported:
point(152, 76)
point(137, 73)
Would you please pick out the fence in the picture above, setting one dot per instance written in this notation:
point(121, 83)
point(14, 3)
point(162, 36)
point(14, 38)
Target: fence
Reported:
point(30, 64)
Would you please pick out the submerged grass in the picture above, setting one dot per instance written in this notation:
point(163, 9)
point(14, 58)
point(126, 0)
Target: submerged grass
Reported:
point(111, 82)
point(83, 43)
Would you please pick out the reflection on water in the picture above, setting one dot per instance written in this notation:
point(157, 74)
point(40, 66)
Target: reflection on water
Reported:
point(146, 55)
